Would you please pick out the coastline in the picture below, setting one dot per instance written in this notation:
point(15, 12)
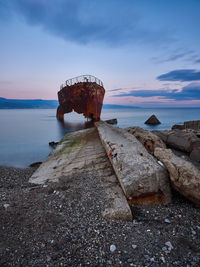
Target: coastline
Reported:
point(61, 224)
point(26, 133)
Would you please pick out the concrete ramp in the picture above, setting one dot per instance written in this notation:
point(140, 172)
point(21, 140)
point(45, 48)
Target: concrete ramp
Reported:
point(143, 180)
point(81, 154)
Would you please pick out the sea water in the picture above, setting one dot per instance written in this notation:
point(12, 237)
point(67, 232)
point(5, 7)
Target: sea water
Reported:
point(25, 133)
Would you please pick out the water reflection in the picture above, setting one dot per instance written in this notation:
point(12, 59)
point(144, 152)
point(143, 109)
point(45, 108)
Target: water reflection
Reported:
point(25, 134)
point(65, 126)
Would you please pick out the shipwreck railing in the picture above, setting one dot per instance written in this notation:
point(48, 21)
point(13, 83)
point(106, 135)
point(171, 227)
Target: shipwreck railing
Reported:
point(81, 79)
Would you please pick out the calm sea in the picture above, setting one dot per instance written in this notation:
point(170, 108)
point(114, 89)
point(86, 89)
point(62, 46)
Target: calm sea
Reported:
point(25, 133)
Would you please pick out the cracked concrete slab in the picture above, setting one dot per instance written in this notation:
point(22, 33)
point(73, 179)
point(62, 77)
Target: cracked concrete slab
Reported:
point(81, 152)
point(141, 177)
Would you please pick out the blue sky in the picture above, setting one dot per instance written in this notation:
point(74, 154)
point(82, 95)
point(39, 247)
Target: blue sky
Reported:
point(147, 53)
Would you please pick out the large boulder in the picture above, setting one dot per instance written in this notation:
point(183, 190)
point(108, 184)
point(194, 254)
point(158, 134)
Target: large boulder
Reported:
point(195, 154)
point(143, 180)
point(187, 141)
point(163, 134)
point(185, 177)
point(198, 134)
point(181, 140)
point(152, 120)
point(149, 140)
point(111, 121)
point(178, 127)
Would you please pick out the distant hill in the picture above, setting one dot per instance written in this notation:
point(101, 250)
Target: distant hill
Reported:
point(118, 106)
point(39, 103)
point(26, 103)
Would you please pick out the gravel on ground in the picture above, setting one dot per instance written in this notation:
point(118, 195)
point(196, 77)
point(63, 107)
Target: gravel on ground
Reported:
point(60, 224)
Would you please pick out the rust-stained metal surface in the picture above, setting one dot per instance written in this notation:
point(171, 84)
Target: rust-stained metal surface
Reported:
point(84, 95)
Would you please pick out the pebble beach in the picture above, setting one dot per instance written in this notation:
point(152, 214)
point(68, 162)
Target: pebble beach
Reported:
point(60, 224)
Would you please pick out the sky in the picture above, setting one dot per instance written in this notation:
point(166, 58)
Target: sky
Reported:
point(147, 53)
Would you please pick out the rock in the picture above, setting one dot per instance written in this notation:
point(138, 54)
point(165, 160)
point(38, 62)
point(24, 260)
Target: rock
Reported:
point(185, 177)
point(152, 120)
point(178, 127)
point(162, 134)
point(35, 164)
point(163, 259)
point(142, 179)
point(149, 140)
point(198, 134)
point(112, 121)
point(6, 206)
point(53, 144)
point(134, 246)
point(169, 245)
point(167, 221)
point(112, 248)
point(195, 154)
point(193, 232)
point(184, 141)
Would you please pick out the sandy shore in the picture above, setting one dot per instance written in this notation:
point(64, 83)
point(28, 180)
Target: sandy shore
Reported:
point(61, 225)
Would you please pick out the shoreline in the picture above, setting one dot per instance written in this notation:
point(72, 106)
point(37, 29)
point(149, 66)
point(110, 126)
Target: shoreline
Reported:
point(31, 236)
point(59, 222)
point(35, 120)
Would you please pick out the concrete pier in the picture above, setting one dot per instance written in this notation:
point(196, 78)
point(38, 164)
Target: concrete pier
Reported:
point(81, 152)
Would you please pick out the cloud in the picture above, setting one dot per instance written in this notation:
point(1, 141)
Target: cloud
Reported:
point(178, 54)
point(85, 21)
point(189, 92)
point(122, 89)
point(146, 93)
point(173, 57)
point(197, 61)
point(183, 75)
point(113, 90)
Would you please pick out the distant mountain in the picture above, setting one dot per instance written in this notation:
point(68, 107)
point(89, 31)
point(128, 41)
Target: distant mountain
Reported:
point(26, 103)
point(39, 103)
point(118, 106)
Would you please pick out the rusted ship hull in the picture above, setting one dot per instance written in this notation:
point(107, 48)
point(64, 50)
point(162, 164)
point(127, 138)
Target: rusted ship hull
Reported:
point(85, 97)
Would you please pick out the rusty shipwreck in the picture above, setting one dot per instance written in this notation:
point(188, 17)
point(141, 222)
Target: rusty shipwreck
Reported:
point(83, 94)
